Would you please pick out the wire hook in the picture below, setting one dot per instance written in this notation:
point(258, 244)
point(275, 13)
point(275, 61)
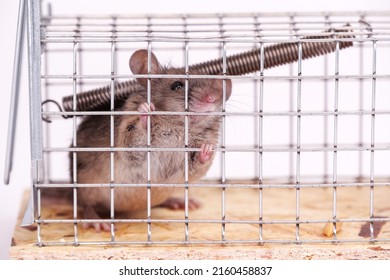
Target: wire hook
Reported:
point(368, 27)
point(47, 119)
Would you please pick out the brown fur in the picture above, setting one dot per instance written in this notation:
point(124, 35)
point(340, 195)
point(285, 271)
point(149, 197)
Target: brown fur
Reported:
point(166, 131)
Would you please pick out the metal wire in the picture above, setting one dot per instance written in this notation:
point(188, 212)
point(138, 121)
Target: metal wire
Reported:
point(148, 140)
point(298, 145)
point(186, 132)
point(74, 142)
point(112, 132)
point(213, 242)
point(223, 129)
point(19, 43)
point(383, 147)
point(214, 221)
point(372, 140)
point(219, 185)
point(335, 136)
point(259, 130)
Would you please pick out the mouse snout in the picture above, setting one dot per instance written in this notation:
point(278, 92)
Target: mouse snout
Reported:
point(214, 94)
point(209, 98)
point(208, 95)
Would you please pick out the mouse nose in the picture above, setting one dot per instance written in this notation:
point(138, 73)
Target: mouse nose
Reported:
point(210, 98)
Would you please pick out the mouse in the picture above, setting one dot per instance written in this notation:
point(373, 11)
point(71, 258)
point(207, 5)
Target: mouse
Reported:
point(166, 131)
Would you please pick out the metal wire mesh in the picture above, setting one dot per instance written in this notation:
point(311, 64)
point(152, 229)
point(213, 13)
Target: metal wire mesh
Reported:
point(311, 125)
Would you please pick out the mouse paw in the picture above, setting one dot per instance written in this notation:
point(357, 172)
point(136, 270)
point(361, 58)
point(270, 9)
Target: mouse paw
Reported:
point(97, 226)
point(175, 203)
point(145, 108)
point(206, 151)
point(90, 213)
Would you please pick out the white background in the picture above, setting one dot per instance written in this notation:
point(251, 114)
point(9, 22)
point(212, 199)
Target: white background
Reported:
point(10, 195)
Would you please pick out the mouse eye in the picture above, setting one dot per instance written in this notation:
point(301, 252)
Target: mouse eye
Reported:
point(177, 85)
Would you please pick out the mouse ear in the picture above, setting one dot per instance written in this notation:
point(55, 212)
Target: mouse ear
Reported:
point(228, 85)
point(139, 65)
point(228, 88)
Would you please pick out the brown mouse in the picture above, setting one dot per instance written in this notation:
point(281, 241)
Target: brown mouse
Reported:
point(167, 131)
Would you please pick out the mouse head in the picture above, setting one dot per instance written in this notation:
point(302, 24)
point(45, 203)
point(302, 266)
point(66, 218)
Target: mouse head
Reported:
point(168, 94)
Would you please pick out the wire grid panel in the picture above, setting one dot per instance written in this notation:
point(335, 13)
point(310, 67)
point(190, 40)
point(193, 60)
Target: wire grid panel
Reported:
point(301, 145)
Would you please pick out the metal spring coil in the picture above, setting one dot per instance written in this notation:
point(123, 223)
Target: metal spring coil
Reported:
point(239, 64)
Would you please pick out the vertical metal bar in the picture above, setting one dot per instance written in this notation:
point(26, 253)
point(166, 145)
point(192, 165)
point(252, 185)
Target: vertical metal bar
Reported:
point(335, 135)
point(325, 108)
point(372, 176)
point(223, 133)
point(361, 107)
point(75, 137)
point(112, 125)
point(74, 154)
point(34, 58)
point(186, 131)
point(13, 110)
point(75, 140)
point(37, 197)
point(291, 109)
point(259, 129)
point(28, 217)
point(46, 126)
point(34, 62)
point(298, 159)
point(260, 137)
point(148, 131)
point(47, 160)
point(80, 82)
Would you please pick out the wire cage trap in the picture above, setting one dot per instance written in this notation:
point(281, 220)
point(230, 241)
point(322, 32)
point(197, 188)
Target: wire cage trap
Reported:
point(303, 146)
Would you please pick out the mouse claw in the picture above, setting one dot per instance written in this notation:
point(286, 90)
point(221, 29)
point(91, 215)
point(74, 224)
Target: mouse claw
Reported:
point(145, 108)
point(206, 151)
point(98, 226)
point(175, 203)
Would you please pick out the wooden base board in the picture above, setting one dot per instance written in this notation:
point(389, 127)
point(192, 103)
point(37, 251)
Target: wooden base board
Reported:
point(267, 252)
point(241, 204)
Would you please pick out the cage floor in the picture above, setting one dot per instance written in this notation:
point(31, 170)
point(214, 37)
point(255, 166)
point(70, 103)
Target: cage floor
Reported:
point(241, 205)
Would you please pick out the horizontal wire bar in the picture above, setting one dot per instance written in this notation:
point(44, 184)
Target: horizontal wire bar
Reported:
point(132, 22)
point(230, 39)
point(230, 36)
point(384, 147)
point(63, 49)
point(304, 29)
point(245, 25)
point(215, 185)
point(238, 114)
point(220, 77)
point(244, 32)
point(212, 221)
point(202, 39)
point(207, 20)
point(223, 15)
point(211, 18)
point(54, 31)
point(218, 242)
